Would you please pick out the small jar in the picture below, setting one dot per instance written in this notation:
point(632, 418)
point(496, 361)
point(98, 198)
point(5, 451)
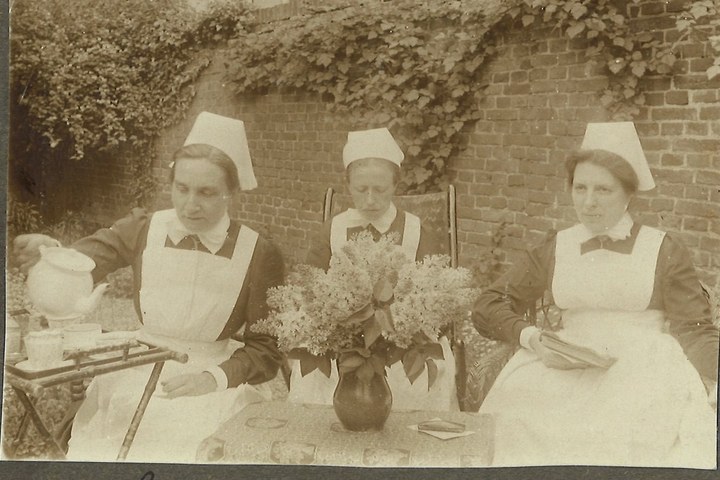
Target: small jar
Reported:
point(44, 348)
point(13, 336)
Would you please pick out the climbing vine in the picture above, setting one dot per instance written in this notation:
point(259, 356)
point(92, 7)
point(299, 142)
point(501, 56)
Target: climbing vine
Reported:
point(418, 67)
point(414, 67)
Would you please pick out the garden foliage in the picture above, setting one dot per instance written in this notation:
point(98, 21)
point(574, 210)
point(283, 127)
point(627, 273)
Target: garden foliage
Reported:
point(104, 77)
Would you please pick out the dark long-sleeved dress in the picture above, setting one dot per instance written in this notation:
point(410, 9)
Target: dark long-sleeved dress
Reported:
point(226, 291)
point(640, 302)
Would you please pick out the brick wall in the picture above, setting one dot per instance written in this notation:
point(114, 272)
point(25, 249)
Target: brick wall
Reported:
point(541, 94)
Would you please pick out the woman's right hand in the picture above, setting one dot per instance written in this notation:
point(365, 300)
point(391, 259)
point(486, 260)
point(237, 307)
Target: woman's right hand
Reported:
point(26, 249)
point(549, 358)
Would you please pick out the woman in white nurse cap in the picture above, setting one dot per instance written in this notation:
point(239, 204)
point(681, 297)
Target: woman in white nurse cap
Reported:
point(372, 161)
point(621, 287)
point(199, 278)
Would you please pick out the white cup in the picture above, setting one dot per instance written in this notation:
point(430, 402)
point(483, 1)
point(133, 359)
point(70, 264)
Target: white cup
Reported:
point(81, 335)
point(44, 348)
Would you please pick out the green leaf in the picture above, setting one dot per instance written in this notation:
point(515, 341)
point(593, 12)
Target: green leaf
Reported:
point(413, 364)
point(383, 290)
point(638, 69)
point(578, 11)
point(575, 30)
point(371, 331)
point(412, 95)
point(528, 20)
point(361, 315)
point(616, 65)
point(384, 319)
point(310, 362)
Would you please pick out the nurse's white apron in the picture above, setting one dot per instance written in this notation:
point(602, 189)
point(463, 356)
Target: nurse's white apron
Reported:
point(186, 299)
point(649, 409)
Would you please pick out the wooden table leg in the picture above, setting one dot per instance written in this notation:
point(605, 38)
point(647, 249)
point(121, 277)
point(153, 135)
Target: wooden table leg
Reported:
point(56, 450)
point(64, 429)
point(140, 411)
point(10, 447)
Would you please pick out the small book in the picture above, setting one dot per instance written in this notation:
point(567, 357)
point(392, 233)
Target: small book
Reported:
point(579, 356)
point(441, 426)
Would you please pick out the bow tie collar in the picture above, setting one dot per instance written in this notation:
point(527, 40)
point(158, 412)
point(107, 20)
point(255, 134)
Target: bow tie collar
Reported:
point(213, 239)
point(381, 224)
point(619, 238)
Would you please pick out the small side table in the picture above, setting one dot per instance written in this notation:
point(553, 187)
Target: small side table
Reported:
point(28, 385)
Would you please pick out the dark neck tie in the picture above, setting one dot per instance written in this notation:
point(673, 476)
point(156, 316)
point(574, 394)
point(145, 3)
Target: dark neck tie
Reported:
point(192, 242)
point(373, 231)
point(603, 242)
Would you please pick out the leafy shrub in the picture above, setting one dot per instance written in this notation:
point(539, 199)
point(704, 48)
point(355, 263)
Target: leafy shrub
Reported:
point(92, 77)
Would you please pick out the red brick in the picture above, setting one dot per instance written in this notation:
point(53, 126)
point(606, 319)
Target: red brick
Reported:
point(674, 114)
point(700, 209)
point(704, 96)
point(708, 177)
point(710, 113)
point(701, 64)
point(671, 128)
point(697, 81)
point(698, 160)
point(672, 160)
point(653, 8)
point(696, 128)
point(697, 192)
point(517, 89)
point(519, 77)
point(696, 145)
point(677, 97)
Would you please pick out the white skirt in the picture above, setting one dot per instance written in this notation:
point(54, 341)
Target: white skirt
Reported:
point(315, 387)
point(649, 409)
point(171, 429)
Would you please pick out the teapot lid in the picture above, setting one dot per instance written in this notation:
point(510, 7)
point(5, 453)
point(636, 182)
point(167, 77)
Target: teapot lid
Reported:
point(68, 259)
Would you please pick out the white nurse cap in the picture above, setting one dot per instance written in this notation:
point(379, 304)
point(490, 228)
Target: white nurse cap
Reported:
point(227, 134)
point(375, 143)
point(621, 139)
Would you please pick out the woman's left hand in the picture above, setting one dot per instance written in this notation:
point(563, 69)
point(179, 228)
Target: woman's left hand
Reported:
point(189, 385)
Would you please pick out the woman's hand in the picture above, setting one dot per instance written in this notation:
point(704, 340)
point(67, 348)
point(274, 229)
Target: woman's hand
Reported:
point(549, 358)
point(26, 249)
point(189, 385)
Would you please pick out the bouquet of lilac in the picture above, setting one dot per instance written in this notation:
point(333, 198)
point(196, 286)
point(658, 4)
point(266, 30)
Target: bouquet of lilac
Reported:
point(373, 307)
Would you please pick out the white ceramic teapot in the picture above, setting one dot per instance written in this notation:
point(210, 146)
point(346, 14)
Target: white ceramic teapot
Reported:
point(60, 285)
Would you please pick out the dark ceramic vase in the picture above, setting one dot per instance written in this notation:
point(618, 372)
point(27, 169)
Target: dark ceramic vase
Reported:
point(360, 405)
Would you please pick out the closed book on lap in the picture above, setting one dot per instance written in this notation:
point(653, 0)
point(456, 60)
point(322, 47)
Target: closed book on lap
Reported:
point(580, 356)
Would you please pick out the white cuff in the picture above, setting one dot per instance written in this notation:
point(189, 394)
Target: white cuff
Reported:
point(220, 377)
point(525, 336)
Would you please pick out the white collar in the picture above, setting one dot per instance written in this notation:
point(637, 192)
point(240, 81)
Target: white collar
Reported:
point(355, 218)
point(213, 239)
point(620, 231)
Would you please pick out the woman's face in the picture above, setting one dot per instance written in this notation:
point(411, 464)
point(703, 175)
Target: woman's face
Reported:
point(599, 198)
point(372, 187)
point(200, 194)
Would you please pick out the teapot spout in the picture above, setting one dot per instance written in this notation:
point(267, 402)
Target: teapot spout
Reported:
point(88, 304)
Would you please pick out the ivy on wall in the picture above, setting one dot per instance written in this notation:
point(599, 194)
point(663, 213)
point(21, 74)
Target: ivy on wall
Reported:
point(417, 67)
point(413, 67)
point(93, 78)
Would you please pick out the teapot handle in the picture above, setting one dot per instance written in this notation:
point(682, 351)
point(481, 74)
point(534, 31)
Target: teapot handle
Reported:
point(42, 248)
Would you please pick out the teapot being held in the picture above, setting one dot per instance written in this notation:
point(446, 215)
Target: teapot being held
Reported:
point(60, 284)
